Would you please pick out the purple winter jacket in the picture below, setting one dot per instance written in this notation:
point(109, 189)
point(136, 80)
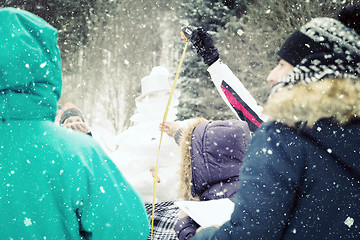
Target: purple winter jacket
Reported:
point(216, 152)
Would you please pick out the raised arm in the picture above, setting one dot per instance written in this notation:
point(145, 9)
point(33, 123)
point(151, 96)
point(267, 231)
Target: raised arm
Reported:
point(230, 88)
point(235, 95)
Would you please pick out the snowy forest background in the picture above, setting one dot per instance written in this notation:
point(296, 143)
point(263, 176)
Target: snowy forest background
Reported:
point(107, 46)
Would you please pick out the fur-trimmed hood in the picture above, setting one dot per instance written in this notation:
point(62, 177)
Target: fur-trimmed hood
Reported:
point(212, 153)
point(185, 165)
point(324, 113)
point(338, 99)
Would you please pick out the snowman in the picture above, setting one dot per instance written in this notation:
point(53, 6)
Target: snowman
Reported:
point(138, 145)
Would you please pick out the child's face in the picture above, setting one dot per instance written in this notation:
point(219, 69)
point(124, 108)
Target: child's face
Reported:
point(72, 119)
point(281, 70)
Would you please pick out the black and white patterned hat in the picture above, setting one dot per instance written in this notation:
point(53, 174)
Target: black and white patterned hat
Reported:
point(324, 47)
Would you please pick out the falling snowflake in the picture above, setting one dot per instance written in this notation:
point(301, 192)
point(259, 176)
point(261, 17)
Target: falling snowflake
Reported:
point(349, 222)
point(27, 222)
point(102, 189)
point(221, 193)
point(42, 197)
point(240, 32)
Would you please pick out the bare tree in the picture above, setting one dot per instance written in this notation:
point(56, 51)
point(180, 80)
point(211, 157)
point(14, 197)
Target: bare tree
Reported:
point(124, 46)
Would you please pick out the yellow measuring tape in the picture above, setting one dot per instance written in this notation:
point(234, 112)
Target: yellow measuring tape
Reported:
point(162, 131)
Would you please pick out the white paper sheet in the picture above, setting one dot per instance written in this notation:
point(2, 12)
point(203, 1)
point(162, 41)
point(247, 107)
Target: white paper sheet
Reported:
point(208, 213)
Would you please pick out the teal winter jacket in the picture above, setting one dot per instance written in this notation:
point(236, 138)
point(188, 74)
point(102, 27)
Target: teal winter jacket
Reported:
point(56, 183)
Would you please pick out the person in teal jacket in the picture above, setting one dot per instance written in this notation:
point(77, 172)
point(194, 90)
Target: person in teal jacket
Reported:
point(56, 183)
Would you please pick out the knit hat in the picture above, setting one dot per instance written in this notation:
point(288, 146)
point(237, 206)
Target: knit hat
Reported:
point(69, 110)
point(324, 47)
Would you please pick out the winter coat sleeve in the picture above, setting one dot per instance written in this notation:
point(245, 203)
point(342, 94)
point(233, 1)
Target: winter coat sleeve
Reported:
point(185, 228)
point(178, 135)
point(235, 95)
point(270, 182)
point(107, 206)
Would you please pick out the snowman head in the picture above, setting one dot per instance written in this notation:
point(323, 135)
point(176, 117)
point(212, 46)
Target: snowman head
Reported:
point(157, 82)
point(155, 92)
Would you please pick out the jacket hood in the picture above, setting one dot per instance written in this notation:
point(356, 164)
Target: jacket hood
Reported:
point(185, 170)
point(30, 67)
point(327, 111)
point(212, 153)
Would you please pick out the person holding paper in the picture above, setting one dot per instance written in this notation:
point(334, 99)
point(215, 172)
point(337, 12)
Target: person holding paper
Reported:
point(300, 177)
point(211, 158)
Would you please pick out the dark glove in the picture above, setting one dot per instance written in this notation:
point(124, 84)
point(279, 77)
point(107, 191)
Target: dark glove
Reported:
point(204, 45)
point(185, 228)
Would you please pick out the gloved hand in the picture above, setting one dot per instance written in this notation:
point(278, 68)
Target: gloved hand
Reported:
point(204, 45)
point(185, 228)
